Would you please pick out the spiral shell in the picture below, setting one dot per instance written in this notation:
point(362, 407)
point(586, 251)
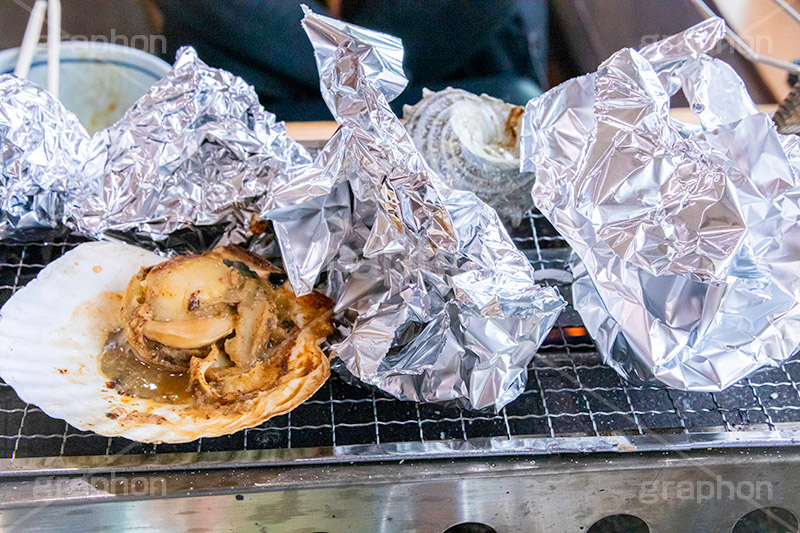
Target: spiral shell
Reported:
point(787, 117)
point(473, 143)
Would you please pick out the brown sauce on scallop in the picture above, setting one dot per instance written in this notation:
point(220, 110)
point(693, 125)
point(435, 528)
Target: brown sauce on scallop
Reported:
point(132, 377)
point(220, 313)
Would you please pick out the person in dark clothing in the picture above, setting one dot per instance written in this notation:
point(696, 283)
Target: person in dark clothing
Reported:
point(495, 47)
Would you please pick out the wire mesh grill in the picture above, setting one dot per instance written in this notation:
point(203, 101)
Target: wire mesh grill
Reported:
point(570, 396)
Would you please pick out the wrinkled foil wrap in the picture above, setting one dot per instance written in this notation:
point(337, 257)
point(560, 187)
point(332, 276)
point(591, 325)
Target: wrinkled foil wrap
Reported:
point(436, 302)
point(687, 237)
point(196, 150)
point(42, 146)
point(442, 306)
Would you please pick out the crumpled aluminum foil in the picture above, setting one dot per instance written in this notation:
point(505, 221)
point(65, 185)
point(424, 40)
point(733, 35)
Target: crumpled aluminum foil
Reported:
point(196, 150)
point(443, 306)
point(41, 147)
point(437, 303)
point(687, 238)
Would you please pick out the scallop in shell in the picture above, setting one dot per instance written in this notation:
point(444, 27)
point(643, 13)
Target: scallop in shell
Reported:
point(60, 333)
point(787, 116)
point(472, 142)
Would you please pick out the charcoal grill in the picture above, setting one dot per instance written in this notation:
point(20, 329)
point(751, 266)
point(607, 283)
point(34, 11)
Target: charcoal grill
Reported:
point(360, 447)
point(578, 445)
point(357, 460)
point(572, 403)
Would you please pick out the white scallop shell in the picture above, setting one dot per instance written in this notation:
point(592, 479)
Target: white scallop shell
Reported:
point(52, 332)
point(464, 138)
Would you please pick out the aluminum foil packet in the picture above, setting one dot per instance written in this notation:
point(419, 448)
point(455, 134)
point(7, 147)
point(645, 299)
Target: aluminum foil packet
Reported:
point(687, 237)
point(196, 150)
point(42, 145)
point(439, 304)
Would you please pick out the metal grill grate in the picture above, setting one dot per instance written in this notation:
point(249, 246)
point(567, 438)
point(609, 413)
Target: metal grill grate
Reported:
point(572, 403)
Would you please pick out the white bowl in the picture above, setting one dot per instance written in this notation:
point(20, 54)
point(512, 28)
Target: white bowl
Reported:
point(99, 81)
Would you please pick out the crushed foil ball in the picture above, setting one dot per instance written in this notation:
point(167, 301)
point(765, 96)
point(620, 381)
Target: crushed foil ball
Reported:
point(443, 306)
point(687, 237)
point(196, 150)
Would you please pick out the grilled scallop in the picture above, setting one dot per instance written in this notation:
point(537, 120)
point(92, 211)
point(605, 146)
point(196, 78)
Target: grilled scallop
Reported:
point(115, 340)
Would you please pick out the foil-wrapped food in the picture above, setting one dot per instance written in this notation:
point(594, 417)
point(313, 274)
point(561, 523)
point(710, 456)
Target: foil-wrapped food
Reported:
point(196, 150)
point(439, 304)
point(687, 266)
point(42, 146)
point(433, 300)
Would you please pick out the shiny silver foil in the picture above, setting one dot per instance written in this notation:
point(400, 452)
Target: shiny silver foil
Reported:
point(439, 305)
point(196, 150)
point(687, 237)
point(41, 147)
point(436, 302)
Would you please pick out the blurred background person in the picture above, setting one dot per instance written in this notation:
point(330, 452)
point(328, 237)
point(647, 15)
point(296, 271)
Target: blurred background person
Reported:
point(509, 49)
point(495, 47)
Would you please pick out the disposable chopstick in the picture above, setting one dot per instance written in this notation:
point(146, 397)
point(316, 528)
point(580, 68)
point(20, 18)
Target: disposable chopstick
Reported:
point(53, 45)
point(31, 38)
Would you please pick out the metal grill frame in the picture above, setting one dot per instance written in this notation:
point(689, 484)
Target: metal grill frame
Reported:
point(573, 404)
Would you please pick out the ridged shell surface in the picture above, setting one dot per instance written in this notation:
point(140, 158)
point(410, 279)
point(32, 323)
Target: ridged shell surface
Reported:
point(471, 141)
point(787, 117)
point(53, 331)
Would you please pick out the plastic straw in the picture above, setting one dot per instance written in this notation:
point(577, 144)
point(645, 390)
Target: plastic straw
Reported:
point(53, 45)
point(31, 38)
